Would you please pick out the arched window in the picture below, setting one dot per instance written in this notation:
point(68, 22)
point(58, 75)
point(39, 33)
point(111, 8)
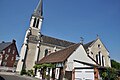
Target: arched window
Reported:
point(34, 22)
point(37, 23)
point(103, 61)
point(99, 53)
point(97, 58)
point(46, 52)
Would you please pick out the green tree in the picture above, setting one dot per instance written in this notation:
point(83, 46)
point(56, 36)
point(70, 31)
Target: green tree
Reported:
point(109, 74)
point(115, 64)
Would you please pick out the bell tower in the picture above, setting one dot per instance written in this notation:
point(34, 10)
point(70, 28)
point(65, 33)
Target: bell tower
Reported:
point(30, 48)
point(36, 19)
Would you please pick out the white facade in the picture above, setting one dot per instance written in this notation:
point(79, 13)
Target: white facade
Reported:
point(80, 70)
point(99, 49)
point(80, 55)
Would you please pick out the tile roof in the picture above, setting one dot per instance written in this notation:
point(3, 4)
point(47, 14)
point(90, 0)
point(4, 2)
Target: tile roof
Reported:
point(50, 40)
point(88, 44)
point(3, 45)
point(55, 41)
point(59, 56)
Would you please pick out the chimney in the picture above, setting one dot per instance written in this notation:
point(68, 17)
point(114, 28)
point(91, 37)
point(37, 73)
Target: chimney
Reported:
point(13, 41)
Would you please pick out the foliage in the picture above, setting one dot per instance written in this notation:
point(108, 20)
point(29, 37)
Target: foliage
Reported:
point(109, 74)
point(43, 69)
point(30, 73)
point(115, 64)
point(23, 71)
point(38, 66)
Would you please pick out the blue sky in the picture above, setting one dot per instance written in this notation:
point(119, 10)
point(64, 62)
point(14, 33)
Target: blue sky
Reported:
point(65, 19)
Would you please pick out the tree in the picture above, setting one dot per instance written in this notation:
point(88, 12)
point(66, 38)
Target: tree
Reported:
point(115, 64)
point(109, 74)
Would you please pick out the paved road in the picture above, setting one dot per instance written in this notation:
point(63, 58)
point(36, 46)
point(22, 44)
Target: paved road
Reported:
point(13, 76)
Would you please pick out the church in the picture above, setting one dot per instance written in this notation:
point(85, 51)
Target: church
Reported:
point(37, 48)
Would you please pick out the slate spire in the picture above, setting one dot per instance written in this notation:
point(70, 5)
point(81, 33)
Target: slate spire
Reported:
point(39, 9)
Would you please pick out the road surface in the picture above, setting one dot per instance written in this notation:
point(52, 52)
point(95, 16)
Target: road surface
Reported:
point(14, 76)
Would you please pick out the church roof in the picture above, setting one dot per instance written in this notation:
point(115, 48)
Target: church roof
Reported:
point(59, 56)
point(3, 45)
point(49, 40)
point(88, 44)
point(55, 41)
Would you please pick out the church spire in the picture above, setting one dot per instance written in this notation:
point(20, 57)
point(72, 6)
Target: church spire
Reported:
point(38, 12)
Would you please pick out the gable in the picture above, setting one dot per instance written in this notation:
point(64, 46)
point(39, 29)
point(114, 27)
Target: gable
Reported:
point(99, 46)
point(80, 55)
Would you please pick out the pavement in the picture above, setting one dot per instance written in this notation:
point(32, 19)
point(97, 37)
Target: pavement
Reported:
point(14, 76)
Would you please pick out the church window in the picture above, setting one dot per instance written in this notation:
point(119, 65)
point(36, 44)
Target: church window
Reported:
point(37, 23)
point(46, 52)
point(103, 61)
point(97, 58)
point(99, 53)
point(99, 46)
point(34, 22)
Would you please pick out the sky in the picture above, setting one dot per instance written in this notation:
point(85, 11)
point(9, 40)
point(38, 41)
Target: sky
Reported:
point(64, 19)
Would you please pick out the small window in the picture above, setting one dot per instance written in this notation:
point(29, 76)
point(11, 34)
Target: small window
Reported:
point(99, 46)
point(13, 51)
point(3, 52)
point(0, 56)
point(4, 63)
point(9, 50)
point(46, 52)
point(12, 58)
point(6, 56)
point(92, 53)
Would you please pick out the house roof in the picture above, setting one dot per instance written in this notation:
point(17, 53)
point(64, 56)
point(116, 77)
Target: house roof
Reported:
point(89, 64)
point(59, 56)
point(3, 45)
